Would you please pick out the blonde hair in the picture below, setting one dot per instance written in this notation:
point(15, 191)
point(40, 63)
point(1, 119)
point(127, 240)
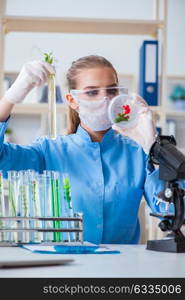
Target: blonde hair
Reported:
point(86, 62)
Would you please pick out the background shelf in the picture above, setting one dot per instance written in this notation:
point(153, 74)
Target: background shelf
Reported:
point(176, 114)
point(81, 25)
point(37, 109)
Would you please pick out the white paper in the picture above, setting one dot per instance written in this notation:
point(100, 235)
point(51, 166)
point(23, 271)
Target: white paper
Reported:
point(150, 67)
point(39, 248)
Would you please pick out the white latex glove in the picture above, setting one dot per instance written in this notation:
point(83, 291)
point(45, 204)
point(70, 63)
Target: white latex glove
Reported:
point(32, 74)
point(144, 133)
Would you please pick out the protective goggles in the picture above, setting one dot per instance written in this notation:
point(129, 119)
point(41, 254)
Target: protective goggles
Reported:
point(98, 93)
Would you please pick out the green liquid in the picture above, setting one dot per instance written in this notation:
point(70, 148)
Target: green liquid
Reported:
point(56, 208)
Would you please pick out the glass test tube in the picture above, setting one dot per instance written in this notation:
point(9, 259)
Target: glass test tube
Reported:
point(31, 174)
point(23, 204)
point(2, 207)
point(41, 194)
point(56, 203)
point(52, 106)
point(44, 183)
point(47, 206)
point(68, 204)
point(13, 209)
point(36, 207)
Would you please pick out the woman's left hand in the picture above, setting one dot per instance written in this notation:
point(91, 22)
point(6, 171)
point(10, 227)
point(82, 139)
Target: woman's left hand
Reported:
point(144, 133)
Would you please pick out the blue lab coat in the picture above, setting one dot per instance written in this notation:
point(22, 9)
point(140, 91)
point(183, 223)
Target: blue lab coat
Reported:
point(108, 179)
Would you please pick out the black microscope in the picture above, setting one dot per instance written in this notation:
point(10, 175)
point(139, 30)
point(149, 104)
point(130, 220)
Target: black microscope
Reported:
point(171, 169)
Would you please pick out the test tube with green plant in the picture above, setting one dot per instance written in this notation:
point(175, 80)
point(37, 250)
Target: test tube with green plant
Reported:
point(13, 201)
point(2, 206)
point(12, 192)
point(68, 203)
point(67, 194)
point(36, 207)
point(48, 57)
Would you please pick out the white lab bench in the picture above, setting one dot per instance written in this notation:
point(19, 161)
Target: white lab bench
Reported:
point(133, 261)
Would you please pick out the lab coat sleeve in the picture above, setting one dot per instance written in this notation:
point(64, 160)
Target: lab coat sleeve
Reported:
point(152, 186)
point(19, 157)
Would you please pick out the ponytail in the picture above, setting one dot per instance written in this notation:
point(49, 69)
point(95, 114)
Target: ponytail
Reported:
point(73, 120)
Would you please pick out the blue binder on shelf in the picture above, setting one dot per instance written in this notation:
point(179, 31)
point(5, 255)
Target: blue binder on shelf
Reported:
point(148, 79)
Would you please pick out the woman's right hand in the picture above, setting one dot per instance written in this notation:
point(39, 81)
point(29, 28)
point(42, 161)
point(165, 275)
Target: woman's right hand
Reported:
point(32, 74)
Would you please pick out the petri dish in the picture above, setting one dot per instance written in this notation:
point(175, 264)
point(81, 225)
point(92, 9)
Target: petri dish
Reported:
point(123, 111)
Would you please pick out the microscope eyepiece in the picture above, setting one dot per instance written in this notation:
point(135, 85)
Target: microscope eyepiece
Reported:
point(170, 160)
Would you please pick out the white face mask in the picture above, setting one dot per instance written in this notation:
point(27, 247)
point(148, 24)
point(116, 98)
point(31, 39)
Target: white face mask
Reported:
point(94, 114)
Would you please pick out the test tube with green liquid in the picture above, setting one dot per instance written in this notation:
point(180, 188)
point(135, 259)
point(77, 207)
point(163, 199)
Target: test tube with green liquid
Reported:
point(2, 206)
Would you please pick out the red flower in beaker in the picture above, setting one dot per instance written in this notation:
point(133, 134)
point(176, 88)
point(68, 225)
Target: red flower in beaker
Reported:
point(126, 109)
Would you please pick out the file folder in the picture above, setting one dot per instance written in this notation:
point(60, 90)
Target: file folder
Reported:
point(159, 130)
point(148, 77)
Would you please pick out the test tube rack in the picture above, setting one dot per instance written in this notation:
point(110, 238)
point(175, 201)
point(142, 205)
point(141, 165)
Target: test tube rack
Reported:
point(76, 228)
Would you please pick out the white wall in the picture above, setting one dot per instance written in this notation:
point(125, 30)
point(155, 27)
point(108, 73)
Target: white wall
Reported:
point(121, 50)
point(82, 8)
point(176, 37)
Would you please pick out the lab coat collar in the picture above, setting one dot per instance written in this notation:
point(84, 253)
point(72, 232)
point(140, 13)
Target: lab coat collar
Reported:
point(83, 134)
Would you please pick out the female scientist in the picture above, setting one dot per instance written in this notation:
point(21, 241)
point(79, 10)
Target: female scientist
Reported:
point(109, 171)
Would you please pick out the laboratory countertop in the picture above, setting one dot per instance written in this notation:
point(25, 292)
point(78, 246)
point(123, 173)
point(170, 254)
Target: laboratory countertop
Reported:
point(134, 261)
